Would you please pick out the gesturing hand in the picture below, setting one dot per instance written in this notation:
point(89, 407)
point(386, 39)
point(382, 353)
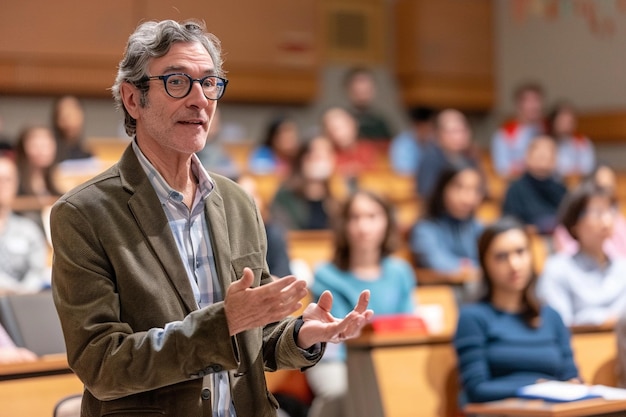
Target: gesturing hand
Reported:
point(247, 308)
point(320, 326)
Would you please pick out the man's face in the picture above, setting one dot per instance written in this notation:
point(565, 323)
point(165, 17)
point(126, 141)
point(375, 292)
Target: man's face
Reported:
point(178, 125)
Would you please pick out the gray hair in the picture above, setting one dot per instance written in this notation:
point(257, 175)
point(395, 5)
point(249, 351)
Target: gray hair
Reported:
point(153, 40)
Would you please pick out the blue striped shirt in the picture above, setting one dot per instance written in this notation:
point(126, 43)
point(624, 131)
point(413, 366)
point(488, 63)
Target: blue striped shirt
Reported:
point(191, 232)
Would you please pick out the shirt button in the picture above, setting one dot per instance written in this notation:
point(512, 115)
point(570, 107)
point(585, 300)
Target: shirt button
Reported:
point(205, 394)
point(201, 374)
point(215, 368)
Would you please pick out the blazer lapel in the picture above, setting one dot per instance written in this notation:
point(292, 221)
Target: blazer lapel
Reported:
point(146, 208)
point(218, 230)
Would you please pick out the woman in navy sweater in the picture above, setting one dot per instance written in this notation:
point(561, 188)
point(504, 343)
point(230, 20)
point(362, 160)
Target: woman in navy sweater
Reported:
point(508, 340)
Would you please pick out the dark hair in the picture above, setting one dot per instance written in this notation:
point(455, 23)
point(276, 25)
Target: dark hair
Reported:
point(554, 113)
point(342, 244)
point(421, 114)
point(353, 72)
point(528, 87)
point(435, 205)
point(272, 129)
point(531, 307)
point(24, 168)
point(573, 206)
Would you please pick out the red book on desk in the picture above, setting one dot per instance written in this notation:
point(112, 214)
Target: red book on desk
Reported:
point(398, 323)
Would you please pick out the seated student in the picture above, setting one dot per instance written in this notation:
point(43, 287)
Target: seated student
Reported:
point(615, 246)
point(453, 146)
point(575, 153)
point(23, 247)
point(407, 147)
point(353, 155)
point(305, 200)
point(509, 142)
point(534, 198)
point(444, 240)
point(68, 120)
point(9, 353)
point(36, 152)
point(509, 340)
point(587, 287)
point(277, 150)
point(360, 87)
point(364, 241)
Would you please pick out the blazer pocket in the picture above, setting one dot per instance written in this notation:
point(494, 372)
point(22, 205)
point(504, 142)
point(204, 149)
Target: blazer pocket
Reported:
point(254, 261)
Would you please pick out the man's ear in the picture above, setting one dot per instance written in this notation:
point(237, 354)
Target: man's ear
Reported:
point(131, 97)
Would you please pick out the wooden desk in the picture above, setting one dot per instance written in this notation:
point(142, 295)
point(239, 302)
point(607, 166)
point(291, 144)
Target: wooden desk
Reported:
point(33, 389)
point(46, 365)
point(402, 375)
point(514, 407)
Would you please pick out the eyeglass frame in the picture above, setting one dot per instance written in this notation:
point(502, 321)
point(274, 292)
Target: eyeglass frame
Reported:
point(165, 77)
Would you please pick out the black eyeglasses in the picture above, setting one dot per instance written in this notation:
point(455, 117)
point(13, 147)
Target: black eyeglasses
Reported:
point(179, 85)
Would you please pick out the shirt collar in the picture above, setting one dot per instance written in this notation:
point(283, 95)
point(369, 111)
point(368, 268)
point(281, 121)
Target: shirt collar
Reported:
point(164, 191)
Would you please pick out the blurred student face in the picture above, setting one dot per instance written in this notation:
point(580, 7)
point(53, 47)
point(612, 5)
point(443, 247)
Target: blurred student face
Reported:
point(362, 90)
point(463, 194)
point(453, 131)
point(8, 182)
point(286, 141)
point(596, 223)
point(605, 178)
point(319, 162)
point(367, 223)
point(509, 262)
point(340, 127)
point(70, 118)
point(40, 148)
point(541, 158)
point(530, 107)
point(565, 122)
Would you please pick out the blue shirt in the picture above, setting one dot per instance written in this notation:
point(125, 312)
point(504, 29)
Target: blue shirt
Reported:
point(575, 156)
point(391, 293)
point(508, 147)
point(581, 291)
point(443, 243)
point(191, 232)
point(405, 152)
point(499, 353)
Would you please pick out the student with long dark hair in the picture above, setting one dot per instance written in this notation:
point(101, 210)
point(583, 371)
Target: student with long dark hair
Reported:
point(444, 239)
point(364, 240)
point(508, 340)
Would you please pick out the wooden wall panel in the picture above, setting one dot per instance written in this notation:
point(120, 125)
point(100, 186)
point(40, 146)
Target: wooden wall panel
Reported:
point(71, 46)
point(444, 54)
point(604, 126)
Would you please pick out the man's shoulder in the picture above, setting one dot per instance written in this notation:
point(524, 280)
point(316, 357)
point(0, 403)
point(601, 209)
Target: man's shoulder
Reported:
point(88, 189)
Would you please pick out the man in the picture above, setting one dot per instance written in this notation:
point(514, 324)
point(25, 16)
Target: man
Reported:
point(406, 148)
point(360, 88)
point(159, 276)
point(509, 143)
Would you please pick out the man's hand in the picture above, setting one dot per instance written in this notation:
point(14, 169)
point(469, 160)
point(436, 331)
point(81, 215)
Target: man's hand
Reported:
point(320, 326)
point(247, 308)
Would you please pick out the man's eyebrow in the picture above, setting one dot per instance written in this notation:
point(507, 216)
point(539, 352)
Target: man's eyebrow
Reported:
point(178, 68)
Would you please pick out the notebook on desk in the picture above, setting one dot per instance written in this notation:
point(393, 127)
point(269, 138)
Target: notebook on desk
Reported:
point(32, 322)
point(557, 391)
